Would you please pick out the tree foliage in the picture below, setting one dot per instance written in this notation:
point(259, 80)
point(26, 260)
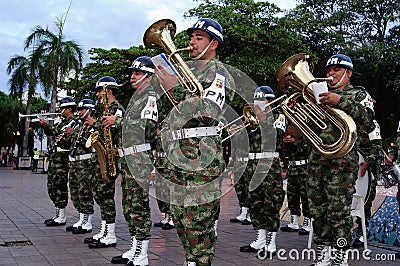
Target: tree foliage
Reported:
point(55, 58)
point(368, 32)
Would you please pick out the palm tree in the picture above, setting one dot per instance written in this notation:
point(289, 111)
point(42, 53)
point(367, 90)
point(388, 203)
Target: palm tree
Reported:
point(58, 59)
point(22, 73)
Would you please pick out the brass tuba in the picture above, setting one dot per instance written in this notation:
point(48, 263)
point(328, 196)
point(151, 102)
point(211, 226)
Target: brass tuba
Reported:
point(312, 119)
point(159, 36)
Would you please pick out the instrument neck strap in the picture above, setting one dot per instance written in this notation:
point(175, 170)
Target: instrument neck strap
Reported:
point(337, 85)
point(204, 51)
point(140, 80)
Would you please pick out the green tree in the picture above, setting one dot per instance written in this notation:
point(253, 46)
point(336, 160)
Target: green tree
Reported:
point(367, 31)
point(9, 116)
point(23, 73)
point(113, 62)
point(57, 58)
point(256, 40)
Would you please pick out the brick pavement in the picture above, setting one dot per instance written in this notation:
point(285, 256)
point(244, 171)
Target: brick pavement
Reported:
point(25, 240)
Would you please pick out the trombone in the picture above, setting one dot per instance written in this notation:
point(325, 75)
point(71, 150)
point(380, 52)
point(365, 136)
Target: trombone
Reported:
point(38, 116)
point(250, 117)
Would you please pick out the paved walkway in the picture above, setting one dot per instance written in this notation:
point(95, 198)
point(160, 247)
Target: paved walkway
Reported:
point(25, 240)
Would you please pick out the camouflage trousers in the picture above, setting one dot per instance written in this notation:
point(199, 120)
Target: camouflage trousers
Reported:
point(103, 194)
point(296, 194)
point(195, 222)
point(57, 179)
point(241, 184)
point(330, 192)
point(266, 202)
point(162, 190)
point(135, 200)
point(80, 185)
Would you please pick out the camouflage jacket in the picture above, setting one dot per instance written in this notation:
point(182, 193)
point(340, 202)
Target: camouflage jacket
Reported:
point(268, 137)
point(351, 103)
point(114, 108)
point(194, 112)
point(299, 153)
point(61, 140)
point(140, 124)
point(79, 139)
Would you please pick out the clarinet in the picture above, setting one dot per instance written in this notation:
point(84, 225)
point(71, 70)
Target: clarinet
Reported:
point(83, 128)
point(72, 124)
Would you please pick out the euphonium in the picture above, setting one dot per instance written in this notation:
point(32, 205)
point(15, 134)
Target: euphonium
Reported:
point(159, 36)
point(311, 118)
point(106, 152)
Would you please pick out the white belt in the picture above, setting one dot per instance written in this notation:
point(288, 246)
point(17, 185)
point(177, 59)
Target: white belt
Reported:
point(61, 149)
point(258, 155)
point(80, 157)
point(194, 132)
point(298, 163)
point(262, 155)
point(134, 149)
point(161, 154)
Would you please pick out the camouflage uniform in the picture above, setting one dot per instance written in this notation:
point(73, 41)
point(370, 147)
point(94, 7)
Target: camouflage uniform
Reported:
point(81, 171)
point(57, 179)
point(331, 181)
point(103, 192)
point(194, 213)
point(135, 180)
point(267, 199)
point(161, 164)
point(297, 177)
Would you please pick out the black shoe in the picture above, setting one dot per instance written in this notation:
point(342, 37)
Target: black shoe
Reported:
point(357, 243)
point(69, 228)
point(288, 229)
point(54, 223)
point(48, 220)
point(235, 220)
point(119, 260)
point(79, 230)
point(167, 226)
point(303, 232)
point(98, 244)
point(89, 240)
point(248, 248)
point(158, 224)
point(246, 222)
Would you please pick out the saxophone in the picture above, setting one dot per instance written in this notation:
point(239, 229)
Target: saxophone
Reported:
point(106, 152)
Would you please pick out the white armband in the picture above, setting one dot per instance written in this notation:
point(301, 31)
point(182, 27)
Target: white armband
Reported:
point(376, 133)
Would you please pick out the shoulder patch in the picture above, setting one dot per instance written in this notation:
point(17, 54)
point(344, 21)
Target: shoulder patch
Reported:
point(280, 122)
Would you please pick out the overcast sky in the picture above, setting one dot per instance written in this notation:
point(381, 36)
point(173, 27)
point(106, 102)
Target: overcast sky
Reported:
point(95, 23)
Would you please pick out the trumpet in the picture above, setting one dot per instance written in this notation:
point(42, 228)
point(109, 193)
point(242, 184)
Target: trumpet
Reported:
point(38, 116)
point(250, 117)
point(159, 36)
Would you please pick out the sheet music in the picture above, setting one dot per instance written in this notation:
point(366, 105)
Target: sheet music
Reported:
point(161, 62)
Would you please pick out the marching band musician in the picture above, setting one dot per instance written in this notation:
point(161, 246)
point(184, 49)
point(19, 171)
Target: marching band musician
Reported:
point(331, 182)
point(80, 171)
point(297, 153)
point(267, 198)
point(103, 192)
point(57, 175)
point(141, 118)
point(196, 155)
